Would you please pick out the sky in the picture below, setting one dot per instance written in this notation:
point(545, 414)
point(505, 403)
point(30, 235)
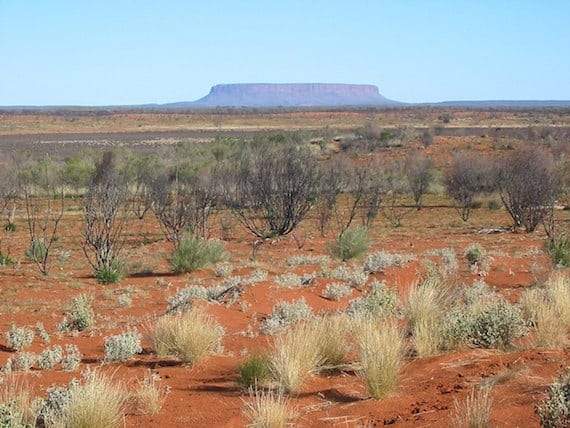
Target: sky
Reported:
point(103, 52)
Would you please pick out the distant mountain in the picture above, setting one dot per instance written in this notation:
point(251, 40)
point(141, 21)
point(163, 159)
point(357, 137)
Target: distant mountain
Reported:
point(301, 96)
point(289, 95)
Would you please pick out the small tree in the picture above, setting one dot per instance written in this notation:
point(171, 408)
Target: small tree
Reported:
point(333, 178)
point(105, 209)
point(140, 170)
point(182, 203)
point(270, 189)
point(395, 189)
point(467, 177)
point(43, 190)
point(363, 192)
point(77, 172)
point(528, 186)
point(418, 169)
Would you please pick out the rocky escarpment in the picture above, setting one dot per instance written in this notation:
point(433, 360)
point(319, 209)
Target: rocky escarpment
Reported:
point(292, 95)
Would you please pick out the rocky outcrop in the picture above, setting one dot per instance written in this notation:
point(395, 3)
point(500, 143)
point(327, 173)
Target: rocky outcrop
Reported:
point(292, 95)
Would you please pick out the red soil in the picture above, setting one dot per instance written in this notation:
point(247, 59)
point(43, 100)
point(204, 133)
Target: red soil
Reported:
point(208, 395)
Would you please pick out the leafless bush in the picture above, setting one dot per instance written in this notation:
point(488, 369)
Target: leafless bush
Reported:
point(370, 184)
point(468, 176)
point(333, 179)
point(363, 194)
point(528, 186)
point(140, 170)
point(182, 203)
point(105, 209)
point(395, 189)
point(270, 189)
point(418, 169)
point(43, 190)
point(9, 196)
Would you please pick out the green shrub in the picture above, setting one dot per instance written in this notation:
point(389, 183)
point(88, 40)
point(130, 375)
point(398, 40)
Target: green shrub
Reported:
point(110, 274)
point(496, 325)
point(350, 244)
point(493, 205)
point(559, 250)
point(254, 371)
point(194, 252)
point(474, 254)
point(6, 260)
point(37, 251)
point(456, 329)
point(554, 411)
point(10, 227)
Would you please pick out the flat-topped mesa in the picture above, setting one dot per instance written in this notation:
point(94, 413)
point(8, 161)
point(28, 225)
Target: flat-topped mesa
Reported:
point(293, 95)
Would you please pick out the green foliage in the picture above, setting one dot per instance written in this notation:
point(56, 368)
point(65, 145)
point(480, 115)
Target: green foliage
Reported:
point(493, 205)
point(350, 244)
point(6, 260)
point(37, 251)
point(554, 411)
point(474, 254)
point(559, 250)
point(110, 274)
point(254, 371)
point(194, 253)
point(496, 325)
point(10, 227)
point(483, 319)
point(77, 171)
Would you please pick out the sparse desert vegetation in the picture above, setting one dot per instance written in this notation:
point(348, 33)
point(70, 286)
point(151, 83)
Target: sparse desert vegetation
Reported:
point(308, 275)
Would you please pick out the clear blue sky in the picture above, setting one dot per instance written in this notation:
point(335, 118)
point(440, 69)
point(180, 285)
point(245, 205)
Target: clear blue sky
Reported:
point(126, 51)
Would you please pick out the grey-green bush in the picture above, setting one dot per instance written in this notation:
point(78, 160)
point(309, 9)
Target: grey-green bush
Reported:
point(554, 411)
point(122, 346)
point(18, 338)
point(79, 316)
point(380, 301)
point(285, 314)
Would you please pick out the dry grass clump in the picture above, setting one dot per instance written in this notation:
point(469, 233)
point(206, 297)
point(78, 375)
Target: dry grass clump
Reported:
point(16, 405)
point(548, 311)
point(149, 396)
point(331, 336)
point(381, 352)
point(267, 409)
point(475, 411)
point(98, 402)
point(297, 354)
point(189, 336)
point(558, 289)
point(425, 308)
